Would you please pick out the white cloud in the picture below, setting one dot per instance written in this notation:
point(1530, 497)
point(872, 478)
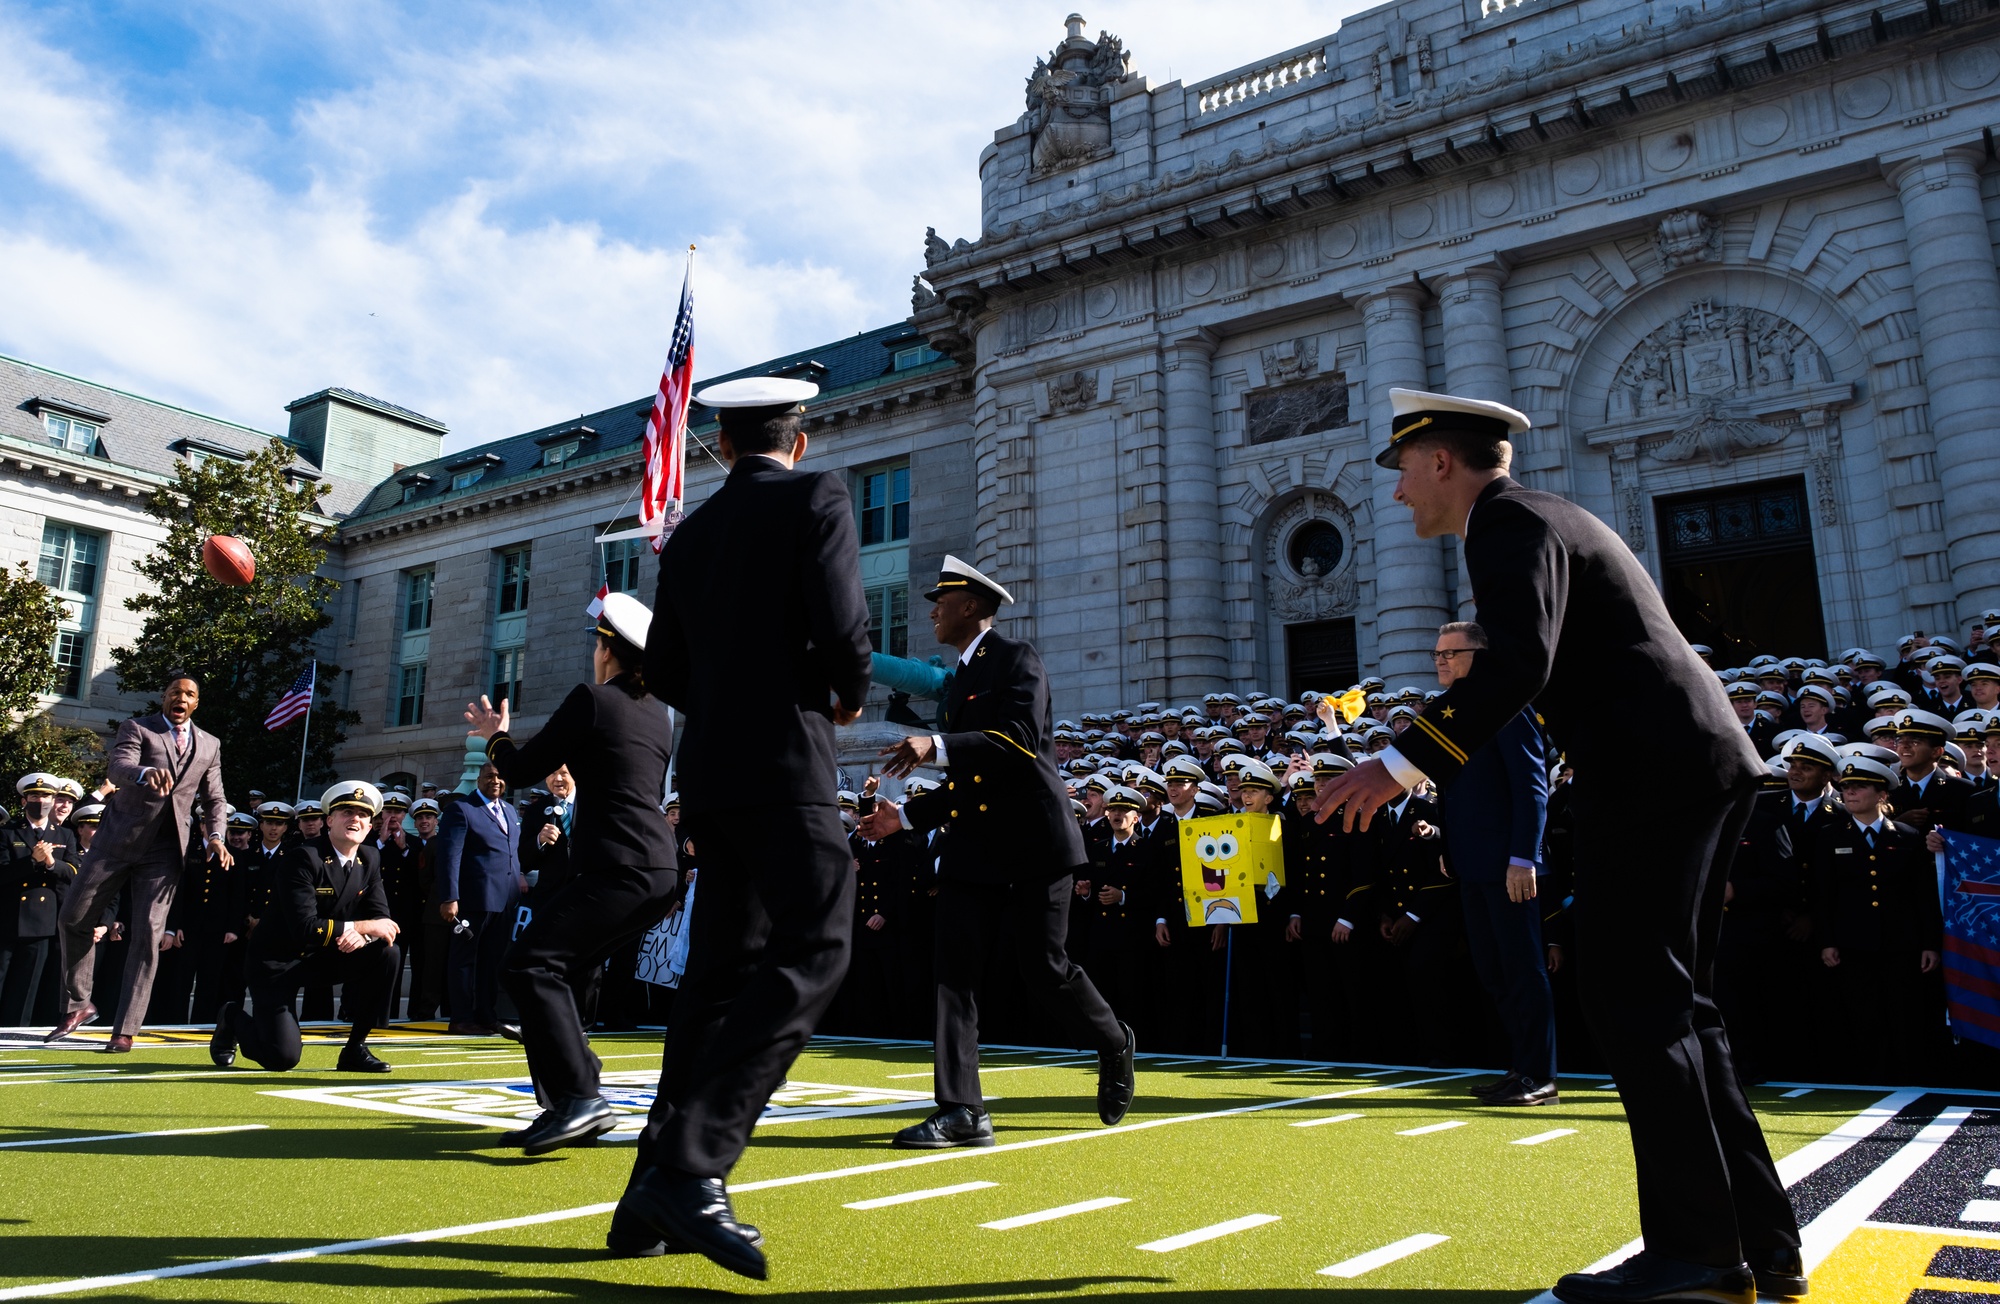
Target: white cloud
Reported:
point(486, 222)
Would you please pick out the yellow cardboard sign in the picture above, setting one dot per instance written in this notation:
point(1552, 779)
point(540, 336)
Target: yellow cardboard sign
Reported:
point(1229, 864)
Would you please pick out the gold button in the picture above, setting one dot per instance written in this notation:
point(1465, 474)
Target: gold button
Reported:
point(978, 778)
point(1876, 904)
point(949, 785)
point(954, 814)
point(982, 805)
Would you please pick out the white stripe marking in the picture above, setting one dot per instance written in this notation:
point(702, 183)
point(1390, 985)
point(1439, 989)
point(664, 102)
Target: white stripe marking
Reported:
point(1981, 1211)
point(1050, 1215)
point(1234, 1225)
point(1377, 1073)
point(1434, 1127)
point(134, 1136)
point(1993, 1177)
point(1954, 1233)
point(926, 1073)
point(591, 1210)
point(907, 1197)
point(1540, 1137)
point(1795, 1093)
point(1374, 1259)
point(1845, 1214)
point(1330, 1118)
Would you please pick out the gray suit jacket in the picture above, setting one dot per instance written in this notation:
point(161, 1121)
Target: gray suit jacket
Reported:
point(133, 814)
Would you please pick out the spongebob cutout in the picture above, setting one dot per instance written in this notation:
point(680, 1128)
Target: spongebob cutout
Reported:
point(1229, 864)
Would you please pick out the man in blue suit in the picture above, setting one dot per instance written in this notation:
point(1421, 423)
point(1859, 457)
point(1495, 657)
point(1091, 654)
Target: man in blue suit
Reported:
point(478, 887)
point(1493, 812)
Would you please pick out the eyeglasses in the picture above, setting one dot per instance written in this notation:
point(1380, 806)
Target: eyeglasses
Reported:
point(1443, 656)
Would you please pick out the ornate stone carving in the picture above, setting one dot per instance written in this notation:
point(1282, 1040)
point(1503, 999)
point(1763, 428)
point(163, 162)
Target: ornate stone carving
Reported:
point(1689, 236)
point(1823, 456)
point(935, 247)
point(1718, 435)
point(1629, 500)
point(1070, 392)
point(1291, 360)
point(1713, 352)
point(1301, 408)
point(1298, 544)
point(922, 296)
point(1069, 98)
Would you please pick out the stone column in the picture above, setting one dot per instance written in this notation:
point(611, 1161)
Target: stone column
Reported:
point(1958, 321)
point(1409, 572)
point(1475, 338)
point(1197, 643)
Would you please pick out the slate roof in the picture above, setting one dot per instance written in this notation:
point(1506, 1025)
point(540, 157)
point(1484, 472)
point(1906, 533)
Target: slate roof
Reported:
point(858, 360)
point(355, 396)
point(141, 433)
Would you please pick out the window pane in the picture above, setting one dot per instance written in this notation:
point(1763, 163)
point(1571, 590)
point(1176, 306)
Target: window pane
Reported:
point(900, 485)
point(899, 524)
point(410, 698)
point(514, 581)
point(507, 677)
point(899, 622)
point(877, 601)
point(417, 610)
point(55, 555)
point(71, 652)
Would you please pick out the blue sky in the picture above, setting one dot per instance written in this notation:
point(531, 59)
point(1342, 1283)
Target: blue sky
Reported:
point(480, 210)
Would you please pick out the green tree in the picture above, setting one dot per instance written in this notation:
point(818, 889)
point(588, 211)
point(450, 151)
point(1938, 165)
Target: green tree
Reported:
point(28, 615)
point(39, 743)
point(247, 643)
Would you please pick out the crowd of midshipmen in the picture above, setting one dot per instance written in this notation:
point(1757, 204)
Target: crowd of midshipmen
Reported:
point(1828, 963)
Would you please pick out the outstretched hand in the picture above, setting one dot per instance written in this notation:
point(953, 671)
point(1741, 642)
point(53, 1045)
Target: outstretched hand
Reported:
point(484, 720)
point(907, 755)
point(1358, 794)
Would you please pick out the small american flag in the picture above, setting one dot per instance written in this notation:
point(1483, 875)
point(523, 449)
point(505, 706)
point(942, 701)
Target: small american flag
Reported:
point(596, 607)
point(661, 488)
point(296, 701)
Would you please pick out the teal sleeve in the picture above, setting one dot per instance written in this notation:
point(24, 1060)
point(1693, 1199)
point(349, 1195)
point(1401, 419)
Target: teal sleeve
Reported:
point(905, 675)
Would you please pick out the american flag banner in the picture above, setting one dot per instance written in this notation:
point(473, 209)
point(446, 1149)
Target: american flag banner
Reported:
point(664, 482)
point(1972, 936)
point(596, 607)
point(296, 701)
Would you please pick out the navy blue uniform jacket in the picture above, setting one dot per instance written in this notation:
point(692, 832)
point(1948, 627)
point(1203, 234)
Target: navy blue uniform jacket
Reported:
point(1495, 808)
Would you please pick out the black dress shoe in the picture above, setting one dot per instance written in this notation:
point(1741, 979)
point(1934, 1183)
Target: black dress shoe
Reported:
point(1486, 1091)
point(1780, 1274)
point(359, 1059)
point(222, 1043)
point(1648, 1278)
point(520, 1134)
point(694, 1212)
point(578, 1121)
point(630, 1238)
point(1526, 1093)
point(511, 1031)
point(1116, 1082)
point(961, 1125)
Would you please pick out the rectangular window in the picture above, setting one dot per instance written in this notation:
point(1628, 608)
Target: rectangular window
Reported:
point(410, 492)
point(889, 620)
point(70, 564)
point(417, 601)
point(621, 564)
point(410, 695)
point(915, 357)
point(513, 581)
point(460, 479)
point(507, 673)
point(557, 454)
point(68, 432)
point(885, 505)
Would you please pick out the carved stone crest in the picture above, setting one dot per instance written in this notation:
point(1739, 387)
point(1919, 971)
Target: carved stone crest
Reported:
point(1070, 392)
point(1069, 98)
point(1719, 435)
point(1710, 352)
point(1309, 561)
point(1688, 236)
point(1291, 360)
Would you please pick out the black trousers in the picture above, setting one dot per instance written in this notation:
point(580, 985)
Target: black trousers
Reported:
point(1648, 918)
point(474, 965)
point(1031, 919)
point(218, 972)
point(766, 956)
point(430, 957)
point(270, 1033)
point(1505, 937)
point(550, 968)
point(22, 961)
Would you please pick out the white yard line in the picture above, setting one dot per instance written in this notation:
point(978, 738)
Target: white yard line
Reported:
point(1050, 1215)
point(1434, 1127)
point(134, 1136)
point(1168, 1244)
point(909, 1197)
point(1992, 1177)
point(1795, 1093)
point(1955, 1234)
point(1330, 1118)
point(1389, 1253)
point(1981, 1211)
point(1540, 1137)
point(1845, 1214)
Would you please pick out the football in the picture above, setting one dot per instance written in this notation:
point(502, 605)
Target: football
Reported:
point(228, 559)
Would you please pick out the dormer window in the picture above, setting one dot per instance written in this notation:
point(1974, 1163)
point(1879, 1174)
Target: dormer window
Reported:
point(557, 454)
point(559, 446)
point(915, 357)
point(470, 476)
point(72, 433)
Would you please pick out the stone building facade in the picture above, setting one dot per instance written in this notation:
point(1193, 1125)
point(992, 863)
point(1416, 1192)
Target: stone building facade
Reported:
point(1736, 260)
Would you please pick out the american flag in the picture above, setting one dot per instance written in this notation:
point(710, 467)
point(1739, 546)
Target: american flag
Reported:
point(596, 607)
point(296, 701)
point(1972, 935)
point(660, 490)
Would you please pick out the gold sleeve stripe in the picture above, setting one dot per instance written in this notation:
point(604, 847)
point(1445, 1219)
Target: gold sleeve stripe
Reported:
point(995, 733)
point(1451, 748)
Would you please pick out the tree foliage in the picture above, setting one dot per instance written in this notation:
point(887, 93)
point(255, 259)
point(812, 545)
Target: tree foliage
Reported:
point(245, 644)
point(29, 612)
point(39, 743)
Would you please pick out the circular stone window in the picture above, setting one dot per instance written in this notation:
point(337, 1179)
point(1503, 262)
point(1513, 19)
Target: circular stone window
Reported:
point(1316, 549)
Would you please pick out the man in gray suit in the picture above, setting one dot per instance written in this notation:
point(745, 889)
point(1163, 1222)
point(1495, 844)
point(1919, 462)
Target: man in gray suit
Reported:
point(160, 764)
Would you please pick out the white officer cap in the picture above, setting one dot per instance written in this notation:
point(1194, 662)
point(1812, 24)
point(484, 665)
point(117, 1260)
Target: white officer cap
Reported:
point(1946, 663)
point(1972, 724)
point(847, 800)
point(1184, 767)
point(1882, 692)
point(278, 810)
point(1869, 751)
point(916, 785)
point(1913, 723)
point(1956, 753)
point(956, 574)
point(353, 794)
point(1981, 670)
point(1812, 747)
point(38, 784)
point(241, 819)
point(1253, 773)
point(1120, 797)
point(1327, 765)
point(424, 806)
point(1859, 769)
point(1818, 693)
point(1990, 616)
point(756, 392)
point(1209, 803)
point(308, 808)
point(1414, 412)
point(624, 616)
point(71, 787)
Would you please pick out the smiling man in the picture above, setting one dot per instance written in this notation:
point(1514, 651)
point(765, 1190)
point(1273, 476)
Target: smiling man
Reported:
point(1566, 608)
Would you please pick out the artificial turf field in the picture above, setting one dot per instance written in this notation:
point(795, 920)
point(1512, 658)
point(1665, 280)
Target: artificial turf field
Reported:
point(1229, 1181)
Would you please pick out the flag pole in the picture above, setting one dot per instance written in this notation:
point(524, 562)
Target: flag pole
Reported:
point(299, 793)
